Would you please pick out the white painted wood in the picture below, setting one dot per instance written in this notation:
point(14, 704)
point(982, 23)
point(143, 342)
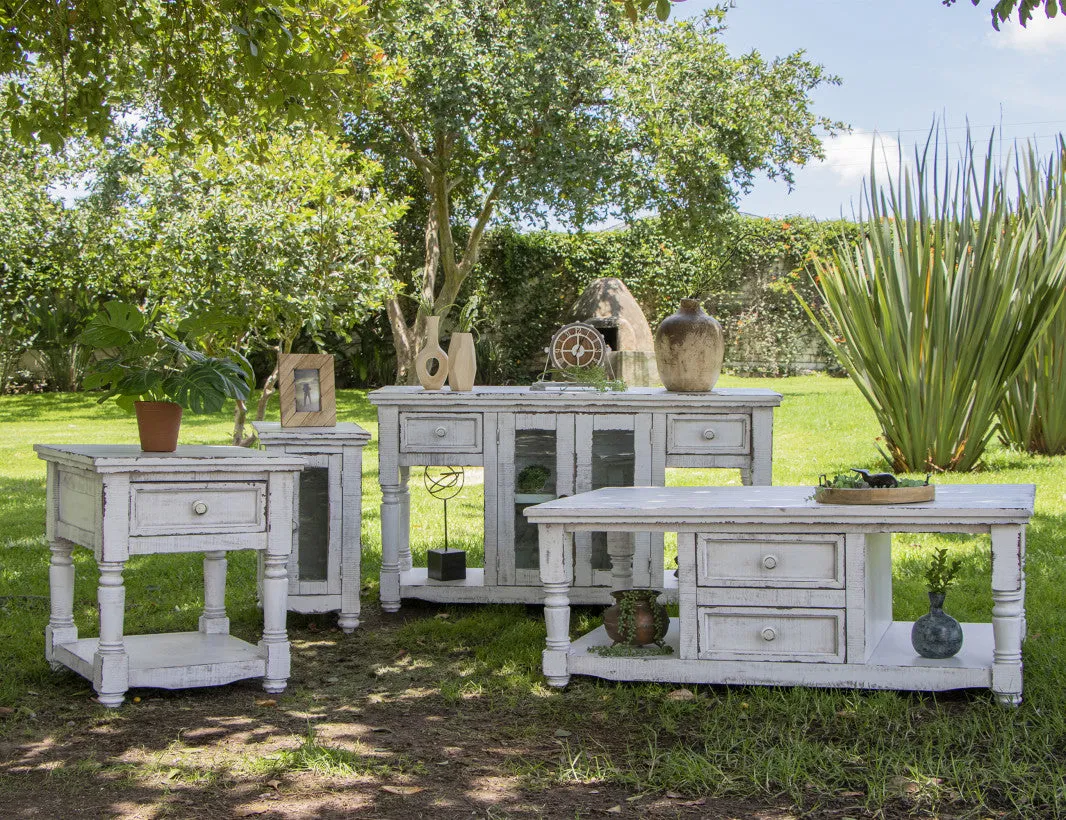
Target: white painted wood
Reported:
point(688, 642)
point(556, 570)
point(762, 447)
point(160, 507)
point(771, 561)
point(876, 577)
point(446, 428)
point(112, 485)
point(440, 433)
point(762, 634)
point(213, 621)
point(492, 489)
point(405, 517)
point(894, 665)
point(770, 634)
point(339, 450)
point(726, 434)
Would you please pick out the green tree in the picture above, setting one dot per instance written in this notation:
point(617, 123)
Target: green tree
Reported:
point(296, 245)
point(200, 62)
point(539, 108)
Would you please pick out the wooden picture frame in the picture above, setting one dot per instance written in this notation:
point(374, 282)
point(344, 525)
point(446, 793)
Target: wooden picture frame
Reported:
point(305, 385)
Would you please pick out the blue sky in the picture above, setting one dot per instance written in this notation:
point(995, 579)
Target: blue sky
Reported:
point(902, 62)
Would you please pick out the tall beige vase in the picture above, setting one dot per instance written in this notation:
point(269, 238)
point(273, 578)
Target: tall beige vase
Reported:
point(462, 362)
point(689, 349)
point(431, 351)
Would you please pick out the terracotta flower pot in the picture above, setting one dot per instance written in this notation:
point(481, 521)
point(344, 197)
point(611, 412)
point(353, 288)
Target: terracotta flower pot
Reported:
point(689, 349)
point(158, 423)
point(636, 619)
point(462, 362)
point(432, 351)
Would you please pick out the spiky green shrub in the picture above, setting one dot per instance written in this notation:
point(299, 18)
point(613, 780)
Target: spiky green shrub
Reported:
point(935, 311)
point(1033, 413)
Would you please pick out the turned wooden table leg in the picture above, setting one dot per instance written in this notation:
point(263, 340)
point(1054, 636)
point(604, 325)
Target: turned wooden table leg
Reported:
point(111, 665)
point(275, 639)
point(555, 572)
point(1008, 612)
point(61, 628)
point(405, 521)
point(213, 621)
point(620, 548)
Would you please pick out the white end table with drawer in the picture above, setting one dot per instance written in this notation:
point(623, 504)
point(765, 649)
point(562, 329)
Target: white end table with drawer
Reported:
point(777, 589)
point(119, 501)
point(585, 439)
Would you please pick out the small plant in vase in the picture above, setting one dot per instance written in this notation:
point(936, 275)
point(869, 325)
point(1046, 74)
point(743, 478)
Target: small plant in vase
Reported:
point(144, 366)
point(532, 479)
point(937, 634)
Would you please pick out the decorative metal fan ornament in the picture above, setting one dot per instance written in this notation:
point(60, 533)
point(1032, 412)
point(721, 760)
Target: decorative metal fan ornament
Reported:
point(577, 345)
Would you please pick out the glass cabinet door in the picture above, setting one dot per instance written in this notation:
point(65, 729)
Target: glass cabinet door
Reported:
point(613, 451)
point(536, 465)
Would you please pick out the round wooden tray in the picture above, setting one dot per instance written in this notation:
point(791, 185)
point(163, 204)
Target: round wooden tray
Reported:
point(875, 495)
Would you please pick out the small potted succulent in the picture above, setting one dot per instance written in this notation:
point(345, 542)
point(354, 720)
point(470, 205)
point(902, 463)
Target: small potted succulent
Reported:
point(141, 363)
point(937, 634)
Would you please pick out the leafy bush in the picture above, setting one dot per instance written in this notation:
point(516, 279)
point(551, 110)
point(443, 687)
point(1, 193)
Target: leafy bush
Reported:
point(746, 273)
point(940, 305)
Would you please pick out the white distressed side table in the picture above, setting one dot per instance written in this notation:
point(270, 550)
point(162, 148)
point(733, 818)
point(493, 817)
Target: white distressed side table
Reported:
point(119, 501)
point(777, 589)
point(582, 440)
point(325, 566)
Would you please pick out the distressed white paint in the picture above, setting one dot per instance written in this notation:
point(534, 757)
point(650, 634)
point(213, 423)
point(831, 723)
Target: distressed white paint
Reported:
point(758, 634)
point(171, 490)
point(478, 428)
point(338, 449)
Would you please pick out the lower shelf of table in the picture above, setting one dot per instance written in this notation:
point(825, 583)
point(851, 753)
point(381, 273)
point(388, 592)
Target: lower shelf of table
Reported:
point(893, 665)
point(173, 660)
point(415, 583)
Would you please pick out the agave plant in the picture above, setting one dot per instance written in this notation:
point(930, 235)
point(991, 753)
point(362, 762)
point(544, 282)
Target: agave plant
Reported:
point(1033, 414)
point(937, 309)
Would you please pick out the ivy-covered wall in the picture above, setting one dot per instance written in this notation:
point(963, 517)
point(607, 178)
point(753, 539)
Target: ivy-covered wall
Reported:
point(528, 282)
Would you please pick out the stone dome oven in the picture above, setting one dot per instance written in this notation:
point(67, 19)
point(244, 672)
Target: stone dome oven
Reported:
point(608, 306)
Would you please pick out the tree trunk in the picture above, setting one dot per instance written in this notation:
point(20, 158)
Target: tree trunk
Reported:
point(240, 412)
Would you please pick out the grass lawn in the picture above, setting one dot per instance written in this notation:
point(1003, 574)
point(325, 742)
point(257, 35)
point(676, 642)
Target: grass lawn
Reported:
point(442, 711)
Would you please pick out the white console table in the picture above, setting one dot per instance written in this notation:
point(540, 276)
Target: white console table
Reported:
point(584, 439)
point(777, 589)
point(325, 565)
point(119, 501)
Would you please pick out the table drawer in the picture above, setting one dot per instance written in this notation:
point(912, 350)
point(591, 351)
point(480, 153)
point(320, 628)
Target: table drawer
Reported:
point(801, 560)
point(770, 634)
point(437, 433)
point(726, 434)
point(194, 507)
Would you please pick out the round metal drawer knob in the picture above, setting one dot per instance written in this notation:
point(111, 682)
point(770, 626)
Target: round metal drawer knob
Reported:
point(709, 434)
point(769, 561)
point(769, 633)
point(441, 432)
point(199, 507)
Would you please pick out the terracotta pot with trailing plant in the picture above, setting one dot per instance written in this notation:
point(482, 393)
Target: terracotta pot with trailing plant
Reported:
point(142, 362)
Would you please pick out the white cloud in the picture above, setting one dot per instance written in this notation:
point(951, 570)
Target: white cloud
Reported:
point(1039, 36)
point(847, 156)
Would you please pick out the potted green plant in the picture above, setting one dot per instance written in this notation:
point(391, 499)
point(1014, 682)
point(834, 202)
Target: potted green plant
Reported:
point(937, 634)
point(142, 363)
point(531, 479)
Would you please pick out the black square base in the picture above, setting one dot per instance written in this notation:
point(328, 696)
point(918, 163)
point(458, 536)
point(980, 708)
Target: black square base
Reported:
point(447, 565)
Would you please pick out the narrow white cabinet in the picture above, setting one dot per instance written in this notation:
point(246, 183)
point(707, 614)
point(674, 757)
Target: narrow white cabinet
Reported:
point(325, 567)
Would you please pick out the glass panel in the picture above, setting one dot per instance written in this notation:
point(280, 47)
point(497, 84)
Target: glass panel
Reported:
point(535, 482)
point(313, 549)
point(613, 462)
